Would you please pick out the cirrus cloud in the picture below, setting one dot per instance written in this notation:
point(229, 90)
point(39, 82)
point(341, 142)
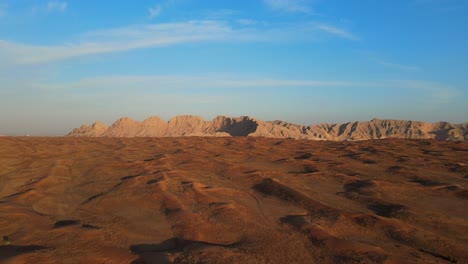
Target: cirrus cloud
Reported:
point(295, 6)
point(57, 6)
point(159, 35)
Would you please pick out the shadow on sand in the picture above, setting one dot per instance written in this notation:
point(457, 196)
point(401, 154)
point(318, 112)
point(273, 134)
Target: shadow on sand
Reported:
point(158, 253)
point(10, 251)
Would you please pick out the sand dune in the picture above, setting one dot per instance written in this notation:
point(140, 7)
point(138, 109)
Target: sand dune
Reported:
point(248, 126)
point(231, 200)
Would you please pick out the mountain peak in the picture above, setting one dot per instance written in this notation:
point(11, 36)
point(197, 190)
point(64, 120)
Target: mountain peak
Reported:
point(190, 125)
point(124, 120)
point(186, 118)
point(99, 125)
point(153, 120)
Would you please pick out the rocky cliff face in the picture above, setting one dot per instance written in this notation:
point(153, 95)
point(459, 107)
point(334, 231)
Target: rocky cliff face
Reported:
point(95, 130)
point(247, 126)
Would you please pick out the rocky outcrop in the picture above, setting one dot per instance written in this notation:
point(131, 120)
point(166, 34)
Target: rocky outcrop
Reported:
point(247, 126)
point(379, 129)
point(95, 130)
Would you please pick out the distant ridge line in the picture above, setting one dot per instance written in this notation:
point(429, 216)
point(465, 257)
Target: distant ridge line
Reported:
point(223, 126)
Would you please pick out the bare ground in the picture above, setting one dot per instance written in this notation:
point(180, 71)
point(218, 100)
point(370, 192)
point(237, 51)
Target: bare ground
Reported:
point(232, 200)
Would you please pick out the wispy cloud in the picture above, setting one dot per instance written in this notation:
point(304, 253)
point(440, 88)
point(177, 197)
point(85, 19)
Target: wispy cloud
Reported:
point(336, 31)
point(158, 35)
point(439, 92)
point(296, 6)
point(141, 94)
point(193, 82)
point(154, 11)
point(121, 39)
point(436, 92)
point(396, 65)
point(3, 9)
point(378, 59)
point(57, 6)
point(247, 22)
point(220, 14)
point(49, 8)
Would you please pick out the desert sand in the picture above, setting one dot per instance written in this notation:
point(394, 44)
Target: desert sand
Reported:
point(232, 200)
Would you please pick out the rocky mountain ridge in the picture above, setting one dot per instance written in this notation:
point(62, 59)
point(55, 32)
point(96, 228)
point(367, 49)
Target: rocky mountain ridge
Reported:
point(223, 126)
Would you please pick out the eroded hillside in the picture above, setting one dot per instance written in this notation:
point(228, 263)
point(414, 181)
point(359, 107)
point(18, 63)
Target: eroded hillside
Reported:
point(248, 126)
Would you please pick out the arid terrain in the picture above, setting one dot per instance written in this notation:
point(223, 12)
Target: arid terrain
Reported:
point(223, 126)
point(232, 200)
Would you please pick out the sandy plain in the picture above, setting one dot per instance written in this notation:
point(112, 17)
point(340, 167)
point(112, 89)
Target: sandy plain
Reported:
point(232, 200)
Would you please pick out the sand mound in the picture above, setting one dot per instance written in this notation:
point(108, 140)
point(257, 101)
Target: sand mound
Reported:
point(231, 200)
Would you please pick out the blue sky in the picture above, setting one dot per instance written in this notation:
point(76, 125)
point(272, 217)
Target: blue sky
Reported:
point(64, 63)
